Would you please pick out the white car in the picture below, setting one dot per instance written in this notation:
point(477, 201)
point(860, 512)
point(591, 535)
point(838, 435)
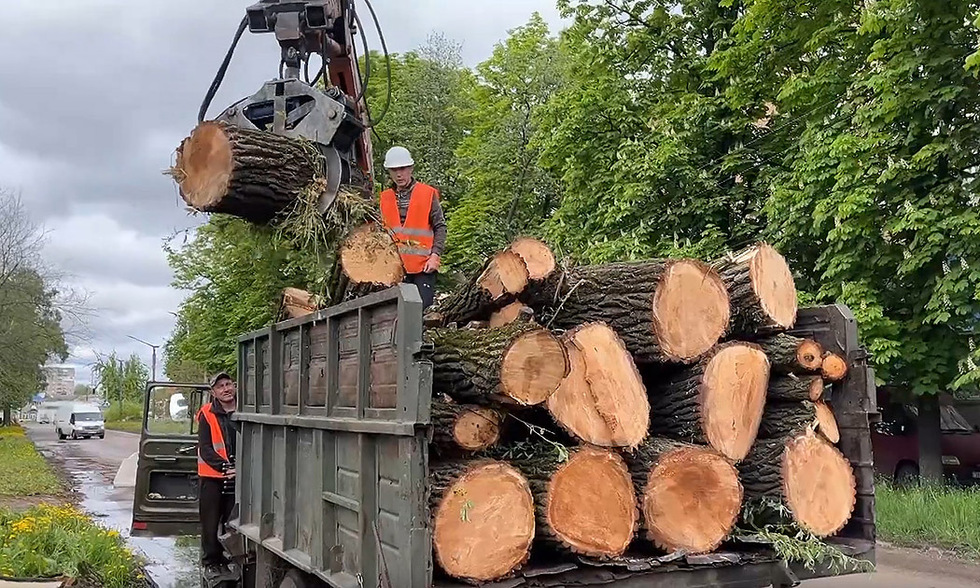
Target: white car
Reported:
point(79, 420)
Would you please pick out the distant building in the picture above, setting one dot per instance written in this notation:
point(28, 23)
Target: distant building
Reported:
point(59, 382)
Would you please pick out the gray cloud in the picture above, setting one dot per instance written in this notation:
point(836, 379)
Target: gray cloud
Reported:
point(96, 94)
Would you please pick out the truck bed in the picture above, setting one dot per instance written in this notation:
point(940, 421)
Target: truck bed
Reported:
point(335, 414)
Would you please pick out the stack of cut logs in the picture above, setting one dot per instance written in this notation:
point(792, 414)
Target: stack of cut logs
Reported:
point(592, 409)
point(585, 410)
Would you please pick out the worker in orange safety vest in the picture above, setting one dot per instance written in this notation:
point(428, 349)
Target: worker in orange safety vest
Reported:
point(216, 472)
point(412, 212)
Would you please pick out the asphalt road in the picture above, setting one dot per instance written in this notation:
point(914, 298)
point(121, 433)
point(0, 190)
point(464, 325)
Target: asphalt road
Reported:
point(93, 464)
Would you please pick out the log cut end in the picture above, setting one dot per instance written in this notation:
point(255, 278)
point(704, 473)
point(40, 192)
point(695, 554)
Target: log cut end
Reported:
point(809, 355)
point(484, 525)
point(818, 484)
point(733, 396)
point(297, 303)
point(690, 310)
point(537, 256)
point(772, 283)
point(477, 428)
point(508, 314)
point(826, 422)
point(370, 256)
point(506, 274)
point(833, 367)
point(204, 166)
point(691, 500)
point(592, 504)
point(602, 400)
point(816, 389)
point(533, 367)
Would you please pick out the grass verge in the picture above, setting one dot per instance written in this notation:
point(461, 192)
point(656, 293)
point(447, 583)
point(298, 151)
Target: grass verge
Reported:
point(940, 516)
point(24, 472)
point(128, 426)
point(48, 541)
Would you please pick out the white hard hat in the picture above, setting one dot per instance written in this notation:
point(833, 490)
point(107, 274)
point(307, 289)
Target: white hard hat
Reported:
point(398, 157)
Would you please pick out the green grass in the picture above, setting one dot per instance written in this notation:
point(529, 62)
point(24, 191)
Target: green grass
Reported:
point(23, 471)
point(48, 541)
point(161, 427)
point(944, 517)
point(130, 426)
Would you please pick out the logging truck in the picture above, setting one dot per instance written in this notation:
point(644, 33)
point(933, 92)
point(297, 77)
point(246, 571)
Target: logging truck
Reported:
point(613, 448)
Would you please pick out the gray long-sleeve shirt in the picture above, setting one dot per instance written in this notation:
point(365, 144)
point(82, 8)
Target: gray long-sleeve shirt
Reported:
point(436, 217)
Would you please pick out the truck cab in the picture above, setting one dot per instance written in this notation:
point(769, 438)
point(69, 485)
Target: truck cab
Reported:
point(77, 420)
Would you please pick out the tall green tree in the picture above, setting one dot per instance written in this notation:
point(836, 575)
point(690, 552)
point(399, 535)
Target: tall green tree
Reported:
point(504, 192)
point(120, 379)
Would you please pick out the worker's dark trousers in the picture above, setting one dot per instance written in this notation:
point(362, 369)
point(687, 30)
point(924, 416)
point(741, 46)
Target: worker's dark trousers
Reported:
point(216, 504)
point(426, 284)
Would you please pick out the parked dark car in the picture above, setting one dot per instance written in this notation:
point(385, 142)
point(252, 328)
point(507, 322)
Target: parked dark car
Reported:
point(896, 444)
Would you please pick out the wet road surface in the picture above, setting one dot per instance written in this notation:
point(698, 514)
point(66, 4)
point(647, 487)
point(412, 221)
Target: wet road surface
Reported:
point(92, 466)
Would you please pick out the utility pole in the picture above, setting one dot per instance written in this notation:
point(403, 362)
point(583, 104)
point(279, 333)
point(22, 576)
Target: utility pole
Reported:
point(154, 348)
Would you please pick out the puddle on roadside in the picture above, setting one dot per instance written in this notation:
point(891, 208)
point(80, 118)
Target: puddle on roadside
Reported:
point(172, 563)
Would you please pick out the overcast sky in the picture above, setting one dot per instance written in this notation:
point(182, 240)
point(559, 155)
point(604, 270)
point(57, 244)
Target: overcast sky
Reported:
point(96, 94)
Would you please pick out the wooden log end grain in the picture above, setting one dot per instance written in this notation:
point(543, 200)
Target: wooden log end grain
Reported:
point(533, 367)
point(506, 274)
point(370, 256)
point(762, 289)
point(468, 427)
point(205, 162)
point(809, 355)
point(602, 401)
point(483, 523)
point(508, 314)
point(537, 256)
point(591, 503)
point(297, 303)
point(690, 497)
point(833, 367)
point(827, 422)
point(691, 310)
point(733, 398)
point(818, 484)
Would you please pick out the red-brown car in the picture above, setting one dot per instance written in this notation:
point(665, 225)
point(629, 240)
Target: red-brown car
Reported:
point(896, 444)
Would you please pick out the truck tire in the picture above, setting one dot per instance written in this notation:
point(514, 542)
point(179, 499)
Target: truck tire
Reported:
point(907, 474)
point(102, 435)
point(295, 579)
point(61, 436)
point(74, 435)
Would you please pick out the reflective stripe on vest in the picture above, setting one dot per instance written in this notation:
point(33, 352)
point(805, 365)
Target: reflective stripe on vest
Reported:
point(414, 237)
point(204, 470)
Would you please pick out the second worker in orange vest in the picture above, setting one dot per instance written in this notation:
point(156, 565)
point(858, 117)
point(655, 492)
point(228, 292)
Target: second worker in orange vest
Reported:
point(412, 212)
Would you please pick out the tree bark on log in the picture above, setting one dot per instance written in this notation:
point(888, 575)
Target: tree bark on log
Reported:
point(786, 418)
point(250, 174)
point(602, 400)
point(792, 355)
point(791, 387)
point(370, 256)
point(761, 288)
point(585, 504)
point(520, 364)
point(664, 310)
point(482, 519)
point(689, 495)
point(718, 401)
point(833, 367)
point(492, 288)
point(459, 429)
point(804, 473)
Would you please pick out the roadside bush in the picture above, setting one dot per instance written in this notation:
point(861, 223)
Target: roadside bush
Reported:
point(941, 516)
point(25, 472)
point(48, 541)
point(128, 410)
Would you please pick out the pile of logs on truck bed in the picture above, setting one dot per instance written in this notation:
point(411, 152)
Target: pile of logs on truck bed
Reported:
point(593, 409)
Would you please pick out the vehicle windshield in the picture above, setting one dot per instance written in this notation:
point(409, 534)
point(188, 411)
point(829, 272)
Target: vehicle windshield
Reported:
point(87, 416)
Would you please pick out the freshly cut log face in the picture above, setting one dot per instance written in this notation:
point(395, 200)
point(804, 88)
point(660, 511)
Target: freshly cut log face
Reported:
point(537, 256)
point(369, 256)
point(808, 475)
point(508, 314)
point(602, 400)
point(827, 422)
point(785, 418)
point(297, 303)
point(761, 287)
point(520, 364)
point(719, 401)
point(789, 354)
point(251, 174)
point(591, 503)
point(664, 310)
point(483, 522)
point(792, 387)
point(464, 427)
point(494, 287)
point(690, 495)
point(833, 367)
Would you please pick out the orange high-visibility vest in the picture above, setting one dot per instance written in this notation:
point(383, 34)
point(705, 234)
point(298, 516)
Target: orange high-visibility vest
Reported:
point(414, 237)
point(217, 440)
